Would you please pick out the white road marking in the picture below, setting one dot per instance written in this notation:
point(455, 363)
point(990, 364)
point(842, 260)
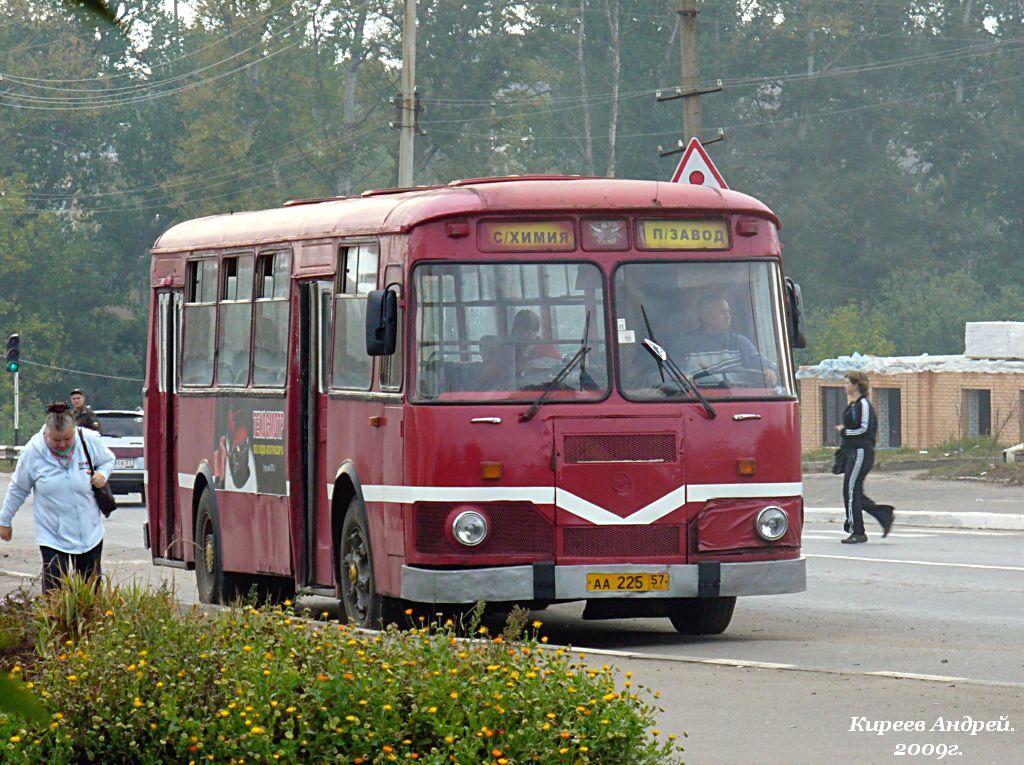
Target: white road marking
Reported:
point(833, 533)
point(919, 562)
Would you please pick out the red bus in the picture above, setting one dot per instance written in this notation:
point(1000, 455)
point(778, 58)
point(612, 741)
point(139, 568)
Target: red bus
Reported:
point(525, 390)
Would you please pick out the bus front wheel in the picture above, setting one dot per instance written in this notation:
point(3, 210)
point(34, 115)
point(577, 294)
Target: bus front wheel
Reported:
point(214, 585)
point(701, 616)
point(360, 600)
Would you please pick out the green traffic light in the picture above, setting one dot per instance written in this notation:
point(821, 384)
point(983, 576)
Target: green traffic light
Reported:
point(12, 366)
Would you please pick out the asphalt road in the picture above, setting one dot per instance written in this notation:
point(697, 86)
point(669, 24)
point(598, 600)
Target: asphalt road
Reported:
point(785, 680)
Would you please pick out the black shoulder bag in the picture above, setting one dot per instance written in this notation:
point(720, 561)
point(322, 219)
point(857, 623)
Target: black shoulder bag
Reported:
point(839, 462)
point(104, 496)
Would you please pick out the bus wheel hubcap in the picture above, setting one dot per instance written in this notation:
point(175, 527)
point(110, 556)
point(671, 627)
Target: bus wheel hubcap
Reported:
point(357, 564)
point(209, 549)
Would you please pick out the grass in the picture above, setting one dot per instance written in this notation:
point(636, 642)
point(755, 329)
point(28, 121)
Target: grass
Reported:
point(126, 677)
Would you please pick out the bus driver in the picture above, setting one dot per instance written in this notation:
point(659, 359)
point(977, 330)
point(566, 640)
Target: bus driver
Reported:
point(716, 348)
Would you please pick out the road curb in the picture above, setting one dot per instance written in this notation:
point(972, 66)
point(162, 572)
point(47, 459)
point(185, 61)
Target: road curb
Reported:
point(934, 519)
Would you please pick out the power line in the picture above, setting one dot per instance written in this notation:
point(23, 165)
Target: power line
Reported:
point(168, 62)
point(126, 90)
point(81, 372)
point(5, 97)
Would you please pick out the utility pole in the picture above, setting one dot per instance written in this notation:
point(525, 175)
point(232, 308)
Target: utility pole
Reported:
point(690, 66)
point(409, 111)
point(17, 402)
point(690, 90)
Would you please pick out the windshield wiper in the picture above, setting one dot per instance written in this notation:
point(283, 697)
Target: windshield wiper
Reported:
point(665, 361)
point(578, 358)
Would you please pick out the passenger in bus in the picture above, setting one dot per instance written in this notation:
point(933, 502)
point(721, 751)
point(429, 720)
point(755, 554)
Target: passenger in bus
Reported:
point(54, 467)
point(713, 350)
point(528, 344)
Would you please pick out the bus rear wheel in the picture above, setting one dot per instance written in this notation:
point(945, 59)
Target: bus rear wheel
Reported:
point(360, 600)
point(701, 616)
point(213, 583)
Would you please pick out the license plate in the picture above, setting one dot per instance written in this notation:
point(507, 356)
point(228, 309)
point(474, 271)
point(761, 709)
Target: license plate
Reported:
point(626, 582)
point(124, 464)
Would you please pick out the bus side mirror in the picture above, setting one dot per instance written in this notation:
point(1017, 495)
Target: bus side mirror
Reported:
point(795, 311)
point(381, 322)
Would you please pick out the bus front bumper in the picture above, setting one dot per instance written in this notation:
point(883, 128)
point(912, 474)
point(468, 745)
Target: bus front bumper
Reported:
point(547, 582)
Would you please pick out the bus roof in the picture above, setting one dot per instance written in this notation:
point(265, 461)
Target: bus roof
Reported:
point(399, 210)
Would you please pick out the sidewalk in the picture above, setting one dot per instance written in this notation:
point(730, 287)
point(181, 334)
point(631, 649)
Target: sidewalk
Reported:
point(918, 502)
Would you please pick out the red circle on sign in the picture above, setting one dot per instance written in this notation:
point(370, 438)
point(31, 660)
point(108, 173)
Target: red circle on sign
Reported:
point(697, 178)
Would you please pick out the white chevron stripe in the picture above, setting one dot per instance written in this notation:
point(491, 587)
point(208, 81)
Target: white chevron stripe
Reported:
point(582, 508)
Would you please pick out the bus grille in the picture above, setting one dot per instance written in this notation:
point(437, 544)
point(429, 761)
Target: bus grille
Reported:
point(621, 447)
point(516, 528)
point(619, 541)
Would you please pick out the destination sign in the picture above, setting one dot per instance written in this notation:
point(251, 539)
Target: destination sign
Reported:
point(526, 236)
point(682, 235)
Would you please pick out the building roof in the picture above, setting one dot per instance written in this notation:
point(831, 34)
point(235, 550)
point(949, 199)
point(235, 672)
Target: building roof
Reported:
point(834, 369)
point(398, 210)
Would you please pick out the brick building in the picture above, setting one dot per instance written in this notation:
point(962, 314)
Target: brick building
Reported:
point(921, 401)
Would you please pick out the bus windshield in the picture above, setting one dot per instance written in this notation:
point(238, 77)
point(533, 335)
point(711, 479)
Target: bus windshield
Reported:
point(721, 323)
point(505, 332)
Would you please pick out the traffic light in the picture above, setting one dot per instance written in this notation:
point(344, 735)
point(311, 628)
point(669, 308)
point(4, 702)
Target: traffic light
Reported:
point(13, 353)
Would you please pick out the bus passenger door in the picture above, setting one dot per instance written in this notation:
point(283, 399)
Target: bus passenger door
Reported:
point(315, 350)
point(162, 482)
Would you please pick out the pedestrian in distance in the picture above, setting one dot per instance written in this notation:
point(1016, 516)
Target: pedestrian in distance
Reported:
point(84, 415)
point(54, 466)
point(859, 430)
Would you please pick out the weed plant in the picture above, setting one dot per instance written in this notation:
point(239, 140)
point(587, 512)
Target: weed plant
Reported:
point(128, 675)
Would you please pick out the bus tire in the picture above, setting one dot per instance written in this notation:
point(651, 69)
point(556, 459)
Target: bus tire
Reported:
point(360, 601)
point(214, 585)
point(701, 616)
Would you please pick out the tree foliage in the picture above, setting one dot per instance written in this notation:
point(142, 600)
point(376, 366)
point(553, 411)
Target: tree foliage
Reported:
point(886, 135)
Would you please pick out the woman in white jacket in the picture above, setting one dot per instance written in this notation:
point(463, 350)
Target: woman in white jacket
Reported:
point(53, 465)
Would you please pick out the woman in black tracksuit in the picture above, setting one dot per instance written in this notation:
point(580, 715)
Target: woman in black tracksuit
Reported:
point(859, 429)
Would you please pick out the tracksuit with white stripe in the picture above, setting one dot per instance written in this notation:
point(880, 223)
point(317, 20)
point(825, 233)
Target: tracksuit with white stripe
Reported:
point(860, 428)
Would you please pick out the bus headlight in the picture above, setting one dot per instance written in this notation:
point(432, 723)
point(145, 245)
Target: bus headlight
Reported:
point(469, 528)
point(772, 523)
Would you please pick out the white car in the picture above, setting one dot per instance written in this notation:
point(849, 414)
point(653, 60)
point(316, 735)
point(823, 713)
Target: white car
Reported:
point(122, 432)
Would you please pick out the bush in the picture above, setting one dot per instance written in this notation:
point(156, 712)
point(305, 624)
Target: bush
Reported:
point(128, 677)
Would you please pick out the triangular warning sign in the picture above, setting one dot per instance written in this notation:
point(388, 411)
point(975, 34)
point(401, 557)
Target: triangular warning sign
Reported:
point(697, 168)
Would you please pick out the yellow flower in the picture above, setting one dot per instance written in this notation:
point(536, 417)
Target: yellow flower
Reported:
point(563, 750)
point(431, 710)
point(352, 718)
point(247, 648)
point(537, 624)
point(15, 739)
point(454, 694)
point(257, 729)
point(289, 710)
point(387, 707)
point(287, 603)
point(656, 732)
point(137, 703)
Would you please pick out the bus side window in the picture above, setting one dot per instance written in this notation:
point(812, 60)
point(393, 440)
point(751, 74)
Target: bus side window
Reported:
point(357, 274)
point(391, 367)
point(270, 313)
point(235, 321)
point(200, 322)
